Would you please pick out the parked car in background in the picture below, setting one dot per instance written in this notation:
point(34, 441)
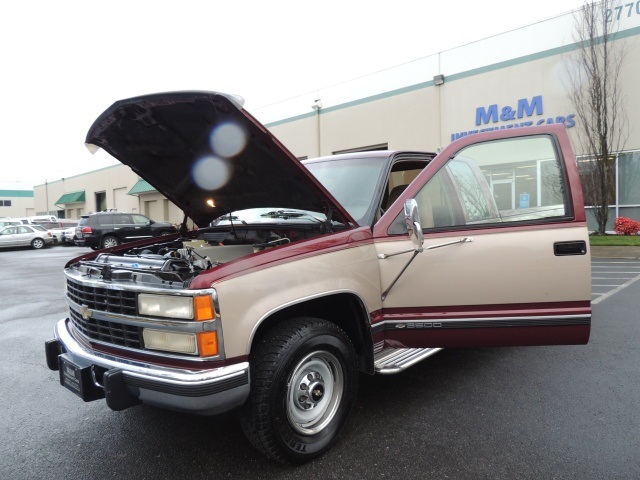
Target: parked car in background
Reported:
point(57, 227)
point(67, 236)
point(42, 218)
point(108, 229)
point(53, 224)
point(35, 236)
point(5, 222)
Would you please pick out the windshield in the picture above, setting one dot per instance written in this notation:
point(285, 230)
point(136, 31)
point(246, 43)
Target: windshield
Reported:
point(352, 181)
point(254, 216)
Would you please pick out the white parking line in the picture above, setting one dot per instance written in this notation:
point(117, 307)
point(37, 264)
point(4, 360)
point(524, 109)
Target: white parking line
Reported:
point(614, 268)
point(602, 260)
point(608, 262)
point(615, 264)
point(632, 273)
point(611, 278)
point(615, 290)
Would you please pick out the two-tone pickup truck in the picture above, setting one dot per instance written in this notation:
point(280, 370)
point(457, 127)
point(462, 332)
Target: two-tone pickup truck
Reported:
point(306, 275)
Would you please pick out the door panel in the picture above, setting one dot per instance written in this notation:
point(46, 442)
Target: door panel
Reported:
point(488, 292)
point(507, 283)
point(8, 238)
point(141, 227)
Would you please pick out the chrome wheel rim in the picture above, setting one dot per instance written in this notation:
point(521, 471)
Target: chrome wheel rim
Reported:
point(110, 242)
point(38, 243)
point(314, 392)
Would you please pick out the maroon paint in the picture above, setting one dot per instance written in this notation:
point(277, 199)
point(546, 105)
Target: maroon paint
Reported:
point(486, 311)
point(489, 337)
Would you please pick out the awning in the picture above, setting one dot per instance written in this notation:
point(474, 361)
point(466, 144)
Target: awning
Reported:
point(141, 186)
point(71, 197)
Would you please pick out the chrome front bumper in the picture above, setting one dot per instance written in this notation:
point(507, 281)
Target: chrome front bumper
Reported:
point(127, 382)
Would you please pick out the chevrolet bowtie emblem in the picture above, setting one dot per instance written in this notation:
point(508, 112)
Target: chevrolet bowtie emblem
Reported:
point(85, 312)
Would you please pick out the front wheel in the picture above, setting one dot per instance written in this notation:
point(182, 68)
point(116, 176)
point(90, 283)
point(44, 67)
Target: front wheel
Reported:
point(304, 380)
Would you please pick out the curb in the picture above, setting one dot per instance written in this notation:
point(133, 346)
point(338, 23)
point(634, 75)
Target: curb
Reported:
point(629, 253)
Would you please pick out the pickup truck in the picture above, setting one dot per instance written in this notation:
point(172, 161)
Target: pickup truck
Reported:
point(301, 276)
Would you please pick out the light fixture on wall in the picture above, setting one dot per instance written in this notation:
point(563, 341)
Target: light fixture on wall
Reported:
point(317, 105)
point(438, 80)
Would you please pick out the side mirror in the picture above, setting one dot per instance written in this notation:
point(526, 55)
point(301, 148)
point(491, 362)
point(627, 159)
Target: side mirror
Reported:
point(412, 219)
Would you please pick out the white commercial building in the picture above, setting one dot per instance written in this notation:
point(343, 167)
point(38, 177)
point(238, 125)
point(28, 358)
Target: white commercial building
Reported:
point(512, 80)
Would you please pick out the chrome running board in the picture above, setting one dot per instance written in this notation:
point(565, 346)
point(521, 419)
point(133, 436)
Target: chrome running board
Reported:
point(395, 360)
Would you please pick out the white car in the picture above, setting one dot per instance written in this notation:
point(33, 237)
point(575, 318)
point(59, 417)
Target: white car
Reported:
point(65, 236)
point(5, 223)
point(25, 235)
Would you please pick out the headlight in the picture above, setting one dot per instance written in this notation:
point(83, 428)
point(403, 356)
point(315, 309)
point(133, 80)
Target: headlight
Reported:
point(203, 308)
point(169, 341)
point(165, 306)
point(200, 307)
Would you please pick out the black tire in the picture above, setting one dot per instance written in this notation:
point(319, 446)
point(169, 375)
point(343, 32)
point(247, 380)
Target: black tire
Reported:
point(37, 243)
point(300, 355)
point(110, 241)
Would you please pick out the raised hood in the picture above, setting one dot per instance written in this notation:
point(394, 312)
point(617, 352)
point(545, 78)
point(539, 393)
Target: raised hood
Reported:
point(207, 155)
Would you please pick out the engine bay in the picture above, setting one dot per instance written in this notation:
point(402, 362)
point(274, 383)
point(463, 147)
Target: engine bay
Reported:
point(175, 263)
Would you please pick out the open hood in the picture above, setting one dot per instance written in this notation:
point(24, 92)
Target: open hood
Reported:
point(207, 155)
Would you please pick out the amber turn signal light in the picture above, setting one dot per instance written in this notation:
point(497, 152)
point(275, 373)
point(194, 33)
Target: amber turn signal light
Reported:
point(208, 344)
point(203, 307)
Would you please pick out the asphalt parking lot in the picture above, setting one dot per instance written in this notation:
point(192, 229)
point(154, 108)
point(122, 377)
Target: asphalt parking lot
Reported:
point(609, 276)
point(568, 412)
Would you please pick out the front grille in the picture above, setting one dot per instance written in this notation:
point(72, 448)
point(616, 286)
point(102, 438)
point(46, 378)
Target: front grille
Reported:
point(102, 299)
point(108, 332)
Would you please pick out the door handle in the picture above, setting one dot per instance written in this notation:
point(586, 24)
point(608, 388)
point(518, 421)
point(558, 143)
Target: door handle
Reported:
point(562, 249)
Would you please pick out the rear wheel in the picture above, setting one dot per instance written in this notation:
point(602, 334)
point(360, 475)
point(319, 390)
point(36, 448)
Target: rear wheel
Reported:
point(37, 243)
point(304, 380)
point(108, 242)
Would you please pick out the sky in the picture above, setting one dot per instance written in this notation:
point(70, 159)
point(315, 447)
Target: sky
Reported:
point(64, 62)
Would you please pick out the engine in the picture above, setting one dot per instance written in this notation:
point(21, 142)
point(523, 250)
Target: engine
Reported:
point(174, 264)
point(174, 267)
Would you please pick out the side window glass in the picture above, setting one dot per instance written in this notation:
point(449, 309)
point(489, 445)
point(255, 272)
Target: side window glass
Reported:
point(473, 191)
point(105, 219)
point(125, 220)
point(435, 202)
point(140, 219)
point(499, 181)
point(23, 230)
